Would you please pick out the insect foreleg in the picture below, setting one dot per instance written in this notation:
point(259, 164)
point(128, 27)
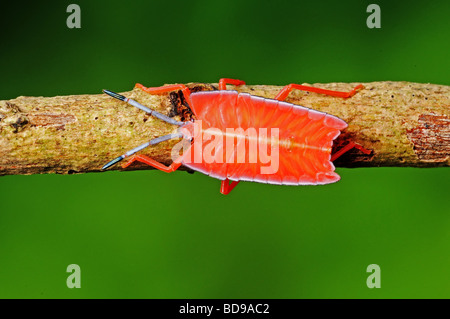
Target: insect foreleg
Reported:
point(149, 161)
point(166, 88)
point(144, 108)
point(141, 147)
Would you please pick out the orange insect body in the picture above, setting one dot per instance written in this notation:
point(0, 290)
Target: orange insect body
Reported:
point(303, 145)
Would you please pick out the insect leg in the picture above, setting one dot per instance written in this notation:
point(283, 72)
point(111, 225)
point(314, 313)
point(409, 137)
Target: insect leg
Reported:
point(144, 108)
point(288, 88)
point(141, 147)
point(166, 88)
point(226, 187)
point(149, 161)
point(223, 83)
point(348, 147)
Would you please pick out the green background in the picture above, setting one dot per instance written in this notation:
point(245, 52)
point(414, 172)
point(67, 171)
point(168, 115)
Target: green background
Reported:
point(148, 234)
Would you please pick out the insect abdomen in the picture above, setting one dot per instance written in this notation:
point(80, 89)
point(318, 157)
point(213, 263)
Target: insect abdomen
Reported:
point(299, 153)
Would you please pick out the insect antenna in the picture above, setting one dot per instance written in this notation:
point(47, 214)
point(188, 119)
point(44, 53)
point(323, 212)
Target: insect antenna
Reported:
point(143, 108)
point(141, 147)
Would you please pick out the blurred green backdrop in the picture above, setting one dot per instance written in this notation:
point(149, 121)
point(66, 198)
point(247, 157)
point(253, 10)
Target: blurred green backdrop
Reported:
point(174, 235)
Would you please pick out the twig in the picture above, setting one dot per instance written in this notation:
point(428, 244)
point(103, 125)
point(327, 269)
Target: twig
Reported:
point(405, 124)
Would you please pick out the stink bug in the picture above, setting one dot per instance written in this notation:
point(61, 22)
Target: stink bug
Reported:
point(302, 145)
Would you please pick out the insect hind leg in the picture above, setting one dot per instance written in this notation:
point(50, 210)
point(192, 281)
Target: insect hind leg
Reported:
point(347, 148)
point(288, 88)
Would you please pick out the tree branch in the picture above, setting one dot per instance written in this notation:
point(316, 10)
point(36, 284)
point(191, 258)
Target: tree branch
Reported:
point(405, 124)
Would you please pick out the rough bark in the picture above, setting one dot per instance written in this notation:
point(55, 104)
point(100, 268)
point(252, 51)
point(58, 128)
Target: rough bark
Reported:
point(405, 124)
